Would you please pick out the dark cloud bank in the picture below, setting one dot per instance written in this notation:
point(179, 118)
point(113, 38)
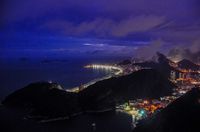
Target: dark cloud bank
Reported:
point(171, 26)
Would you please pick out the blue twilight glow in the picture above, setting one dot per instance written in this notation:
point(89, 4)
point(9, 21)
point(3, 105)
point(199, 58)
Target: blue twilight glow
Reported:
point(44, 27)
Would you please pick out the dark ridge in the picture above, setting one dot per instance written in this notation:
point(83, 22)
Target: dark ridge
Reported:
point(44, 98)
point(187, 64)
point(142, 84)
point(124, 62)
point(160, 63)
point(49, 99)
point(180, 116)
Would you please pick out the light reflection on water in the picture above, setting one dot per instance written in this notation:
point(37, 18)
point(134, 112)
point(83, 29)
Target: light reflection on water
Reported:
point(69, 73)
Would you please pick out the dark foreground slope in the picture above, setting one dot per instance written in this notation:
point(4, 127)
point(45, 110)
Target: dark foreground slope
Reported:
point(43, 98)
point(49, 100)
point(183, 115)
point(160, 62)
point(147, 83)
point(187, 64)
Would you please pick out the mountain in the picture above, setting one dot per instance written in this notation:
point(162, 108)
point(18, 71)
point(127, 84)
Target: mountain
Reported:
point(187, 64)
point(160, 63)
point(124, 62)
point(49, 99)
point(43, 98)
point(183, 115)
point(147, 83)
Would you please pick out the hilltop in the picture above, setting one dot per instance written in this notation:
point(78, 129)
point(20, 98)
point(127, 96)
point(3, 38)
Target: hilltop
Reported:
point(180, 116)
point(49, 99)
point(187, 64)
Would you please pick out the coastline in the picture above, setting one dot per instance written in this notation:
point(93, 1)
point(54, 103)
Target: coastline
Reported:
point(115, 71)
point(16, 74)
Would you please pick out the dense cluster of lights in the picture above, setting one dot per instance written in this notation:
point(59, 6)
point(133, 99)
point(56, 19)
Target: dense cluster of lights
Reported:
point(140, 109)
point(106, 67)
point(136, 113)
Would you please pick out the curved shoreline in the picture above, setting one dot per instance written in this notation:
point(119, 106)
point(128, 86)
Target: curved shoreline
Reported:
point(118, 72)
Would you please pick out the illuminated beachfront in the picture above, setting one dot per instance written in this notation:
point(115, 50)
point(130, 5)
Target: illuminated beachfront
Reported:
point(116, 71)
point(106, 67)
point(139, 109)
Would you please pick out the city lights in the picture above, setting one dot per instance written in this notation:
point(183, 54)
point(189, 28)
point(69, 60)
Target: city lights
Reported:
point(106, 67)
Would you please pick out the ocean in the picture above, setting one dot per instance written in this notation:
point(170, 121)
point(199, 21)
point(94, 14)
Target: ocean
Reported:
point(69, 72)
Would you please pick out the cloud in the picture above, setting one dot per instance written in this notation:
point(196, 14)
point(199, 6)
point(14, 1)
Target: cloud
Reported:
point(31, 9)
point(190, 51)
point(178, 32)
point(142, 23)
point(95, 45)
point(176, 51)
point(171, 24)
point(103, 27)
point(147, 52)
point(107, 49)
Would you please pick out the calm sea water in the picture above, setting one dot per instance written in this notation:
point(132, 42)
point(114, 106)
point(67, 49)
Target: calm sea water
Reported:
point(69, 72)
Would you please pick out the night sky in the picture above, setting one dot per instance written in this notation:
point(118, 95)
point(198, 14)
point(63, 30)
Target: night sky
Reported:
point(98, 27)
